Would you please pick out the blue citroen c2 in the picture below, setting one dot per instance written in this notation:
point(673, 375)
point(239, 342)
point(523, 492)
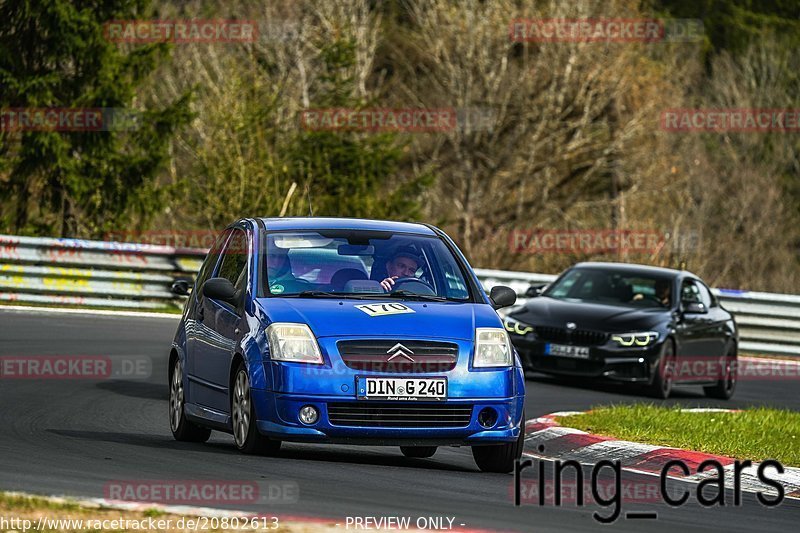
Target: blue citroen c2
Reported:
point(345, 331)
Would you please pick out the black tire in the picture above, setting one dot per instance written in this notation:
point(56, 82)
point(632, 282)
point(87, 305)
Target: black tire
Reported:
point(243, 419)
point(418, 452)
point(663, 380)
point(182, 429)
point(726, 386)
point(500, 457)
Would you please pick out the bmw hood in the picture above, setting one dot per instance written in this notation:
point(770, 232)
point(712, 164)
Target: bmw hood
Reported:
point(333, 317)
point(544, 311)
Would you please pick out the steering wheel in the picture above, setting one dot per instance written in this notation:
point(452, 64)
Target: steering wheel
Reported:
point(410, 281)
point(650, 298)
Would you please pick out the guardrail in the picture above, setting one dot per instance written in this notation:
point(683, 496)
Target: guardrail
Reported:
point(76, 272)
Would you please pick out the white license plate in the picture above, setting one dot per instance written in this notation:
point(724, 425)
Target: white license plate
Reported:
point(401, 388)
point(563, 350)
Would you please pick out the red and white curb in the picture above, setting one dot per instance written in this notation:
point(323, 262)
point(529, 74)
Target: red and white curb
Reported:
point(546, 438)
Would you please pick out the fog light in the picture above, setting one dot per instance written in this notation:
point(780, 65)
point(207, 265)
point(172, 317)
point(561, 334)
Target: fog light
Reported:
point(308, 414)
point(487, 417)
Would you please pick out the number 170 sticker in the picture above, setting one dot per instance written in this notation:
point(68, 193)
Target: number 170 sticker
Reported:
point(384, 309)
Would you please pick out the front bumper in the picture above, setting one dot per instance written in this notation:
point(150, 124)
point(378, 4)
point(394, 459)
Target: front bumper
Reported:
point(331, 387)
point(624, 365)
point(278, 418)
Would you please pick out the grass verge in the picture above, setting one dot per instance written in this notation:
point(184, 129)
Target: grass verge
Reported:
point(755, 434)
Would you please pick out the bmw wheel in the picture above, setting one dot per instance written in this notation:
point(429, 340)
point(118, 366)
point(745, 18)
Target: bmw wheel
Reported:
point(724, 388)
point(663, 380)
point(182, 429)
point(245, 432)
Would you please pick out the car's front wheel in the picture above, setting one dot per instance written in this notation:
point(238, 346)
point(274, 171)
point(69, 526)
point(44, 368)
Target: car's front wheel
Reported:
point(182, 429)
point(243, 419)
point(661, 386)
point(500, 457)
point(418, 452)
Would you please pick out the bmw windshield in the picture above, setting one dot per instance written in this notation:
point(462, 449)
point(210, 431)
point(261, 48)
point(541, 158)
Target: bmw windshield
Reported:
point(612, 287)
point(362, 264)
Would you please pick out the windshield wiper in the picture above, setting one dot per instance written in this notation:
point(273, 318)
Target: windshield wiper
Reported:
point(324, 294)
point(316, 294)
point(402, 293)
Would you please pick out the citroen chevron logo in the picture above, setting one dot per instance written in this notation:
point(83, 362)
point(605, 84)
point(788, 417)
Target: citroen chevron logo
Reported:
point(398, 350)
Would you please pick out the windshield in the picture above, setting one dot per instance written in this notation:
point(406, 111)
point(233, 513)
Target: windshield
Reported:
point(362, 264)
point(612, 287)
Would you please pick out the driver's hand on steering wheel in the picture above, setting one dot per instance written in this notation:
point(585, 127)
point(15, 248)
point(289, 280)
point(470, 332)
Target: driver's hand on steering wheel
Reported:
point(388, 283)
point(638, 296)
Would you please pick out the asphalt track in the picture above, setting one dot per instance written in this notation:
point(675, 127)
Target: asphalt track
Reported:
point(73, 437)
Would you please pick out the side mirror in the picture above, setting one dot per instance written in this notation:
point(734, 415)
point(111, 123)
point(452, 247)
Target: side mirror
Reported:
point(535, 290)
point(180, 287)
point(502, 296)
point(694, 308)
point(219, 289)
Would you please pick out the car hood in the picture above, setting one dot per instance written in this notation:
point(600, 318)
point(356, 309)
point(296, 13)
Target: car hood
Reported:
point(341, 318)
point(544, 311)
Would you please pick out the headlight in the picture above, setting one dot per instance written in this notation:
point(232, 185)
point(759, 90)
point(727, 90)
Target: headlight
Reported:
point(492, 348)
point(516, 327)
point(293, 342)
point(628, 340)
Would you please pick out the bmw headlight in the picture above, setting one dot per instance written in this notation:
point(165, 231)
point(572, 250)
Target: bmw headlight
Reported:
point(516, 327)
point(492, 348)
point(294, 343)
point(635, 340)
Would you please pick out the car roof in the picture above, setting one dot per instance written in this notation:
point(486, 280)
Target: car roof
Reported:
point(631, 268)
point(312, 223)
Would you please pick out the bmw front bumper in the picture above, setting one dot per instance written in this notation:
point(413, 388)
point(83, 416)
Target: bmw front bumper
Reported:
point(625, 365)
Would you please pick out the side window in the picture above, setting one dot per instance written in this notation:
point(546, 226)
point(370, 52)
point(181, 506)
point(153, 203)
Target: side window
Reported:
point(211, 260)
point(690, 292)
point(705, 296)
point(234, 259)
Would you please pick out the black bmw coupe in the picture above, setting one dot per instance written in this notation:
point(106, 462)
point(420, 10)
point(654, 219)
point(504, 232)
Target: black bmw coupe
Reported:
point(652, 326)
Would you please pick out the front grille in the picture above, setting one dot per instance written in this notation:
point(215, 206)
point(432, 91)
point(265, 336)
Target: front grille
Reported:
point(394, 415)
point(579, 337)
point(374, 355)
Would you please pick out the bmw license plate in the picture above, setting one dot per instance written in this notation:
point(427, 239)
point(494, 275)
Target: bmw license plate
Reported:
point(563, 350)
point(401, 388)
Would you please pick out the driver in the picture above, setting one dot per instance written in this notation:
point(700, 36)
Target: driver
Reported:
point(403, 263)
point(662, 288)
